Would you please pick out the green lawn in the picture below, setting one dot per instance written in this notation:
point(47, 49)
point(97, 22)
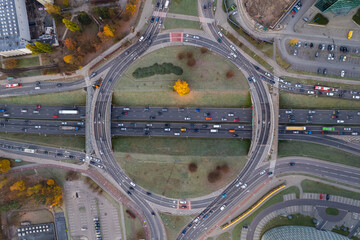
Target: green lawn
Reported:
point(172, 23)
point(186, 7)
point(66, 141)
point(319, 19)
point(299, 101)
point(134, 229)
point(275, 199)
point(28, 62)
point(77, 97)
point(161, 164)
point(282, 63)
point(332, 211)
point(30, 73)
point(174, 224)
point(207, 81)
point(305, 149)
point(317, 187)
point(329, 84)
point(297, 220)
point(356, 17)
point(224, 236)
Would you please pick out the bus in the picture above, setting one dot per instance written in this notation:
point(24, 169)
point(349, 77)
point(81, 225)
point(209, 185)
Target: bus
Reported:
point(321, 88)
point(328, 129)
point(350, 34)
point(69, 112)
point(292, 128)
point(13, 85)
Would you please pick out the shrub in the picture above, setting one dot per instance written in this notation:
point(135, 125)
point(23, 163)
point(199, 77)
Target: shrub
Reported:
point(191, 62)
point(214, 176)
point(319, 19)
point(180, 55)
point(203, 50)
point(229, 74)
point(165, 68)
point(189, 54)
point(193, 167)
point(356, 17)
point(84, 19)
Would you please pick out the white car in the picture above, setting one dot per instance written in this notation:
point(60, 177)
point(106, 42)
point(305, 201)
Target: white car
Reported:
point(310, 92)
point(220, 34)
point(233, 54)
point(177, 134)
point(123, 129)
point(24, 110)
point(356, 97)
point(233, 48)
point(244, 186)
point(288, 111)
point(230, 114)
point(312, 111)
point(241, 126)
point(262, 172)
point(330, 94)
point(296, 132)
point(37, 126)
point(132, 184)
point(222, 207)
point(167, 129)
point(298, 85)
point(182, 202)
point(354, 133)
point(267, 74)
point(238, 184)
point(342, 73)
point(196, 37)
point(63, 123)
point(223, 119)
point(347, 129)
point(187, 118)
point(120, 124)
point(340, 121)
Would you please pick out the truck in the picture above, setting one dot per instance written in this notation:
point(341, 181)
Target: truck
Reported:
point(292, 128)
point(328, 129)
point(166, 4)
point(29, 150)
point(69, 112)
point(69, 128)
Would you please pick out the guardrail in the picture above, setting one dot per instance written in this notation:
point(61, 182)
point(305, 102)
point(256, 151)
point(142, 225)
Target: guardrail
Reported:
point(247, 212)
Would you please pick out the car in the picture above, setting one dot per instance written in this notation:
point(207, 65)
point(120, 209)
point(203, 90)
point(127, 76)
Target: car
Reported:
point(222, 207)
point(288, 111)
point(167, 129)
point(344, 59)
point(356, 97)
point(354, 133)
point(128, 192)
point(230, 114)
point(37, 126)
point(208, 118)
point(238, 184)
point(298, 85)
point(164, 109)
point(204, 126)
point(269, 173)
point(161, 21)
point(291, 164)
point(267, 74)
point(220, 34)
point(223, 195)
point(38, 106)
point(177, 134)
point(327, 197)
point(262, 172)
point(233, 48)
point(157, 19)
point(55, 116)
point(197, 110)
point(329, 94)
point(152, 19)
point(244, 186)
point(311, 45)
point(233, 54)
point(312, 111)
point(141, 38)
point(132, 184)
point(236, 119)
point(152, 213)
point(63, 123)
point(187, 118)
point(295, 52)
point(223, 119)
point(310, 92)
point(149, 42)
point(296, 132)
point(342, 74)
point(206, 114)
point(340, 121)
point(324, 71)
point(196, 37)
point(319, 70)
point(184, 206)
point(37, 88)
point(321, 196)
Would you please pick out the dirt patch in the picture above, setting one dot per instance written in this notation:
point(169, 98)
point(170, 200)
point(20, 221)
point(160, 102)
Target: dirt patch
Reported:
point(267, 13)
point(35, 217)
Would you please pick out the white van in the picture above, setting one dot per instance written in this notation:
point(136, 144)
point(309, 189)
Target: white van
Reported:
point(217, 126)
point(142, 38)
point(214, 130)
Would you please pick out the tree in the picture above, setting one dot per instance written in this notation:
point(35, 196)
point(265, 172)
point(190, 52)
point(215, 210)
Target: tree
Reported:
point(191, 62)
point(180, 55)
point(84, 19)
point(203, 50)
point(34, 190)
point(3, 182)
point(293, 41)
point(11, 63)
point(103, 12)
point(130, 8)
point(5, 166)
point(44, 47)
point(70, 44)
point(71, 59)
point(108, 31)
point(34, 49)
point(229, 74)
point(71, 25)
point(52, 9)
point(181, 87)
point(18, 186)
point(86, 47)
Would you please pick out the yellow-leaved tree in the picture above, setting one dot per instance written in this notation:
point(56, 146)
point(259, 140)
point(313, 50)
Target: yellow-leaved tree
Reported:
point(50, 182)
point(181, 87)
point(109, 31)
point(5, 166)
point(293, 41)
point(18, 186)
point(3, 182)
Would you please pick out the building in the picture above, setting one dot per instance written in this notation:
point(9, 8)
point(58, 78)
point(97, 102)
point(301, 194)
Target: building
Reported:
point(44, 231)
point(300, 233)
point(338, 7)
point(14, 28)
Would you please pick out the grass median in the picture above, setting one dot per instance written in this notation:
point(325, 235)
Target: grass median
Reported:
point(186, 7)
point(174, 224)
point(76, 143)
point(162, 165)
point(236, 233)
point(300, 101)
point(173, 23)
point(310, 186)
point(77, 97)
point(318, 151)
point(209, 86)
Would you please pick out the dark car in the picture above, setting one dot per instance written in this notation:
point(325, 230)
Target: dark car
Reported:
point(152, 20)
point(319, 70)
point(148, 193)
point(324, 71)
point(152, 213)
point(183, 206)
point(157, 4)
point(256, 67)
point(311, 45)
point(327, 197)
point(128, 192)
point(292, 164)
point(151, 117)
point(204, 126)
point(59, 84)
point(149, 42)
point(126, 52)
point(167, 125)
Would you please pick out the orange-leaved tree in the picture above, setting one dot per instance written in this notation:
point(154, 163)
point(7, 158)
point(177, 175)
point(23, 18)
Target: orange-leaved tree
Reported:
point(70, 44)
point(18, 186)
point(130, 8)
point(181, 87)
point(109, 31)
point(36, 189)
point(50, 182)
point(293, 41)
point(5, 166)
point(52, 9)
point(53, 194)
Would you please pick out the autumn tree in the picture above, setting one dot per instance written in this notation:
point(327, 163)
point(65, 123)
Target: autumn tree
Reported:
point(11, 63)
point(230, 74)
point(191, 62)
point(52, 9)
point(70, 44)
point(108, 31)
point(293, 41)
point(34, 190)
point(71, 25)
point(18, 186)
point(5, 166)
point(39, 48)
point(180, 55)
point(3, 183)
point(50, 182)
point(130, 8)
point(203, 50)
point(53, 194)
point(181, 87)
point(71, 59)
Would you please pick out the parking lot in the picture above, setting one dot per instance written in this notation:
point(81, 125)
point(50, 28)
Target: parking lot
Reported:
point(83, 206)
point(328, 56)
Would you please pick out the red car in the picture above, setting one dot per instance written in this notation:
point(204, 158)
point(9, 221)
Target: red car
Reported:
point(236, 120)
point(55, 116)
point(321, 196)
point(38, 106)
